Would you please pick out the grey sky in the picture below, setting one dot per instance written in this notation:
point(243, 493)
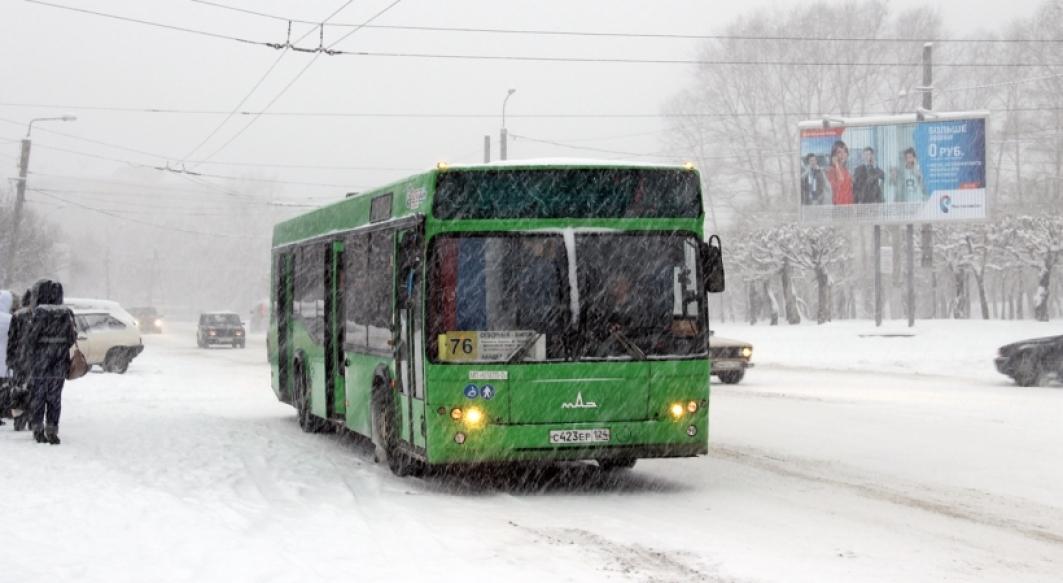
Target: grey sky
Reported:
point(62, 57)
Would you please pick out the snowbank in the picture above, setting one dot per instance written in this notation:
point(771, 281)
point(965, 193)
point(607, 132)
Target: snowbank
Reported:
point(963, 348)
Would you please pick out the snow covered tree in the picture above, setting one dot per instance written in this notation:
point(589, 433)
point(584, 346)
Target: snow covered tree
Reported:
point(1037, 243)
point(817, 249)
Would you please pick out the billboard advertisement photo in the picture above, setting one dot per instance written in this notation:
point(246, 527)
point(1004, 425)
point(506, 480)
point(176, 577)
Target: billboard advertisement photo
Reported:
point(894, 169)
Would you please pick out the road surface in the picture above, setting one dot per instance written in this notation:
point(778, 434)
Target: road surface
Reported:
point(187, 469)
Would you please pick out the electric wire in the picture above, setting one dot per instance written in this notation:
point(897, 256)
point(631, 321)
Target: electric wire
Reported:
point(259, 83)
point(298, 75)
point(542, 32)
point(568, 59)
point(448, 115)
point(142, 222)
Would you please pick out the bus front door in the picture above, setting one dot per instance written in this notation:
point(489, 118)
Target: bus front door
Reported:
point(411, 342)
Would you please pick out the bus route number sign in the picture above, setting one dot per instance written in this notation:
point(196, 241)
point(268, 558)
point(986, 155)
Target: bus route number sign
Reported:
point(459, 346)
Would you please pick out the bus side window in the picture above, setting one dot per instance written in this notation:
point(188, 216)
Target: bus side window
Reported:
point(356, 292)
point(380, 277)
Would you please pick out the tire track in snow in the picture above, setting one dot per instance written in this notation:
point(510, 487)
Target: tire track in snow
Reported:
point(811, 470)
point(635, 560)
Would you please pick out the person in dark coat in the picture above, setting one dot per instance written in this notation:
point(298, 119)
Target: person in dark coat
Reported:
point(19, 397)
point(51, 334)
point(868, 180)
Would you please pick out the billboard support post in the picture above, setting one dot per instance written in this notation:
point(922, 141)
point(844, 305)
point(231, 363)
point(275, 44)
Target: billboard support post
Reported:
point(877, 244)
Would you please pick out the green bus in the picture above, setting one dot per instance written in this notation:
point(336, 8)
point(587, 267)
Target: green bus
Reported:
point(502, 312)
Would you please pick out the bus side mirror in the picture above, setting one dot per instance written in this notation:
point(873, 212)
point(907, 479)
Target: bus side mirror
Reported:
point(712, 265)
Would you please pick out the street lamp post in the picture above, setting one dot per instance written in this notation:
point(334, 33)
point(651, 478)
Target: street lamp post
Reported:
point(20, 196)
point(504, 135)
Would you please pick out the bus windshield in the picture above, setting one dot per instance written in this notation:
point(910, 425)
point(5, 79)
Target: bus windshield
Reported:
point(614, 193)
point(519, 297)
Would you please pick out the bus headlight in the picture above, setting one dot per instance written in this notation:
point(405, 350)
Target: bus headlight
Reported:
point(473, 416)
point(747, 352)
point(676, 410)
point(692, 407)
point(456, 413)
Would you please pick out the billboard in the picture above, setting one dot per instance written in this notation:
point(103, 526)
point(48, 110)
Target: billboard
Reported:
point(894, 169)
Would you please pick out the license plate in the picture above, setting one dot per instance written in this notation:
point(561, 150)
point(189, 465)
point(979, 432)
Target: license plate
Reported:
point(579, 436)
point(725, 365)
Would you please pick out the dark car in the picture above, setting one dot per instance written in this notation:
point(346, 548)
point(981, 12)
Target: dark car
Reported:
point(148, 319)
point(221, 328)
point(1031, 362)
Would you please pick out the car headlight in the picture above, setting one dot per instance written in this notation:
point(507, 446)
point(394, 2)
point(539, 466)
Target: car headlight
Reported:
point(747, 352)
point(211, 333)
point(158, 323)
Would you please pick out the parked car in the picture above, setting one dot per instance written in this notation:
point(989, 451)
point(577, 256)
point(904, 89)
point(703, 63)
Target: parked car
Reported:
point(1031, 362)
point(106, 340)
point(729, 358)
point(148, 319)
point(110, 306)
point(221, 328)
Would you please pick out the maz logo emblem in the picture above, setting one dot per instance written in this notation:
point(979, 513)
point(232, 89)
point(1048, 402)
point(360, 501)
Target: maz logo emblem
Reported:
point(579, 404)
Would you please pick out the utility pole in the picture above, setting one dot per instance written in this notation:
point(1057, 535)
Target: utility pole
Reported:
point(503, 135)
point(487, 149)
point(16, 217)
point(20, 197)
point(151, 277)
point(928, 104)
point(107, 270)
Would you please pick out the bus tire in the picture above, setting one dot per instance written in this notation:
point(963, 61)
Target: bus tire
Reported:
point(307, 422)
point(618, 463)
point(385, 431)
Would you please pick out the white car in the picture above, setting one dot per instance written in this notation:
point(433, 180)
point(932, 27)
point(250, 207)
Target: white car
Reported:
point(729, 358)
point(106, 340)
point(110, 306)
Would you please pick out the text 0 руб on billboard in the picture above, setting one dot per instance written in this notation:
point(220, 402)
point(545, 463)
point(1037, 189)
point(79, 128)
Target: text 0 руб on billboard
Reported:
point(894, 169)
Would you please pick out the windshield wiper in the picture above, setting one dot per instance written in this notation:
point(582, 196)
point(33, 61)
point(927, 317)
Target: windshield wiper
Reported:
point(628, 345)
point(523, 348)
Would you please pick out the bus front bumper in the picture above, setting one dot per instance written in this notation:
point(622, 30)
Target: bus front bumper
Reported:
point(685, 437)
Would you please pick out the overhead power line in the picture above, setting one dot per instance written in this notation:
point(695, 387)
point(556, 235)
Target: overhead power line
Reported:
point(330, 50)
point(115, 215)
point(446, 115)
point(148, 23)
point(298, 75)
point(259, 83)
point(606, 34)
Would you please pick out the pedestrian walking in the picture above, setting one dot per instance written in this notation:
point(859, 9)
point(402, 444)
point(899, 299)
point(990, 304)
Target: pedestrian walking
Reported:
point(19, 394)
point(51, 335)
point(6, 380)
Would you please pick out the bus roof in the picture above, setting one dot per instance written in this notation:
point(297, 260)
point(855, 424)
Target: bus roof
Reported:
point(326, 219)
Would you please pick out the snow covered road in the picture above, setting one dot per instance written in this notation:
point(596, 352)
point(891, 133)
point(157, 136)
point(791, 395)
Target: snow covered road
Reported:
point(187, 469)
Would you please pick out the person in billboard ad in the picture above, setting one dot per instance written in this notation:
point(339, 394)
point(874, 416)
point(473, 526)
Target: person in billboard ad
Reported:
point(841, 182)
point(906, 168)
point(813, 182)
point(909, 179)
point(868, 180)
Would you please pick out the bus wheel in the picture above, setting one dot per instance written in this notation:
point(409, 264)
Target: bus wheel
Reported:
point(619, 463)
point(385, 432)
point(307, 421)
